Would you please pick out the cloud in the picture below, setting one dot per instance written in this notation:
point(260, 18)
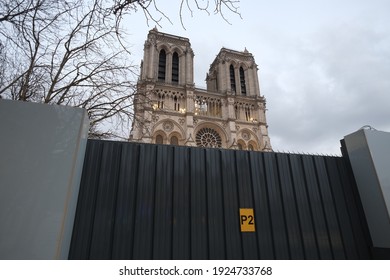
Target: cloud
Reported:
point(329, 85)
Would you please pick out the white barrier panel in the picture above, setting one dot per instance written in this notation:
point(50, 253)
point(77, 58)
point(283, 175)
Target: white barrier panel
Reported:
point(41, 156)
point(369, 154)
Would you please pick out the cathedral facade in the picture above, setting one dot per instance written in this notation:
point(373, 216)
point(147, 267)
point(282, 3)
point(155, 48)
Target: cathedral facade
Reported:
point(169, 109)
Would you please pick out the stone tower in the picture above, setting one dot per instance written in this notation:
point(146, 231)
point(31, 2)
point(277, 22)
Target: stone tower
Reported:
point(169, 109)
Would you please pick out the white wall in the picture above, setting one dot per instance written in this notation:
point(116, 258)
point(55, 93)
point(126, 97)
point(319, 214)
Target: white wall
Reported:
point(41, 156)
point(369, 153)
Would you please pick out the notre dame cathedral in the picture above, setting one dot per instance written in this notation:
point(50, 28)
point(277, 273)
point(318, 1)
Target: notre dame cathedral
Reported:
point(170, 109)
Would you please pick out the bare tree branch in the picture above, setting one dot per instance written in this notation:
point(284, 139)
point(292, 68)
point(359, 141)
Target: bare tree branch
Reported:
point(14, 9)
point(122, 7)
point(74, 53)
point(67, 53)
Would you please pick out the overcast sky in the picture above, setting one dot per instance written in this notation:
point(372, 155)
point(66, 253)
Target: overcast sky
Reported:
point(324, 65)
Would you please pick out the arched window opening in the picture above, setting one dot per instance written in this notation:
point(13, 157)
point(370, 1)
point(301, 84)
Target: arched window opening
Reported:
point(175, 68)
point(232, 79)
point(159, 139)
point(160, 103)
point(174, 140)
point(250, 147)
point(237, 111)
point(248, 114)
point(162, 60)
point(242, 81)
point(176, 103)
point(241, 145)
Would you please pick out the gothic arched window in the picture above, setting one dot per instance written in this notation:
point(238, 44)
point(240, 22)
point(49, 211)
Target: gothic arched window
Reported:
point(232, 79)
point(242, 81)
point(159, 139)
point(162, 60)
point(174, 140)
point(208, 137)
point(248, 114)
point(175, 68)
point(161, 98)
point(176, 102)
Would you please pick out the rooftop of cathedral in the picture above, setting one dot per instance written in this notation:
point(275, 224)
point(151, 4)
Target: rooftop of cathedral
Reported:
point(167, 35)
point(230, 53)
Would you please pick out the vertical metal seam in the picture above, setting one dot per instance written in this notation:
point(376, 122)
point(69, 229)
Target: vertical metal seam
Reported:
point(310, 205)
point(347, 209)
point(355, 239)
point(283, 207)
point(359, 207)
point(154, 200)
point(207, 205)
point(219, 153)
point(324, 214)
point(238, 199)
point(250, 159)
point(172, 204)
point(296, 207)
point(95, 201)
point(139, 151)
point(334, 206)
point(135, 155)
point(114, 215)
point(269, 206)
point(188, 152)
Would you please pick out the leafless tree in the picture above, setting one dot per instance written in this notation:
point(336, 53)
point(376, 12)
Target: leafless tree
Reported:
point(73, 53)
point(67, 53)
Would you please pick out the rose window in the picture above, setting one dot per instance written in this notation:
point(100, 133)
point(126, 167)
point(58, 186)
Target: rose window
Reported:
point(208, 137)
point(168, 126)
point(246, 136)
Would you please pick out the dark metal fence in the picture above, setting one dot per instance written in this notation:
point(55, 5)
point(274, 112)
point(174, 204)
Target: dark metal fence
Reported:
point(143, 201)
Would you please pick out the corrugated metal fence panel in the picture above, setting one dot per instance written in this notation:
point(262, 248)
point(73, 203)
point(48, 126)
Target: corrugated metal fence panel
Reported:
point(123, 237)
point(304, 212)
point(198, 204)
point(162, 241)
point(233, 241)
point(289, 203)
point(245, 200)
point(355, 210)
point(142, 201)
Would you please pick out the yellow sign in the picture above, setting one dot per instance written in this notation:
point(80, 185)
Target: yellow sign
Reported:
point(247, 220)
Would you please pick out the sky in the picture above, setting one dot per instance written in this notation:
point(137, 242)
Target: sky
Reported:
point(324, 65)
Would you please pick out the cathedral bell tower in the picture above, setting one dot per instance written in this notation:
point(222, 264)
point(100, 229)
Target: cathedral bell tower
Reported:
point(169, 109)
